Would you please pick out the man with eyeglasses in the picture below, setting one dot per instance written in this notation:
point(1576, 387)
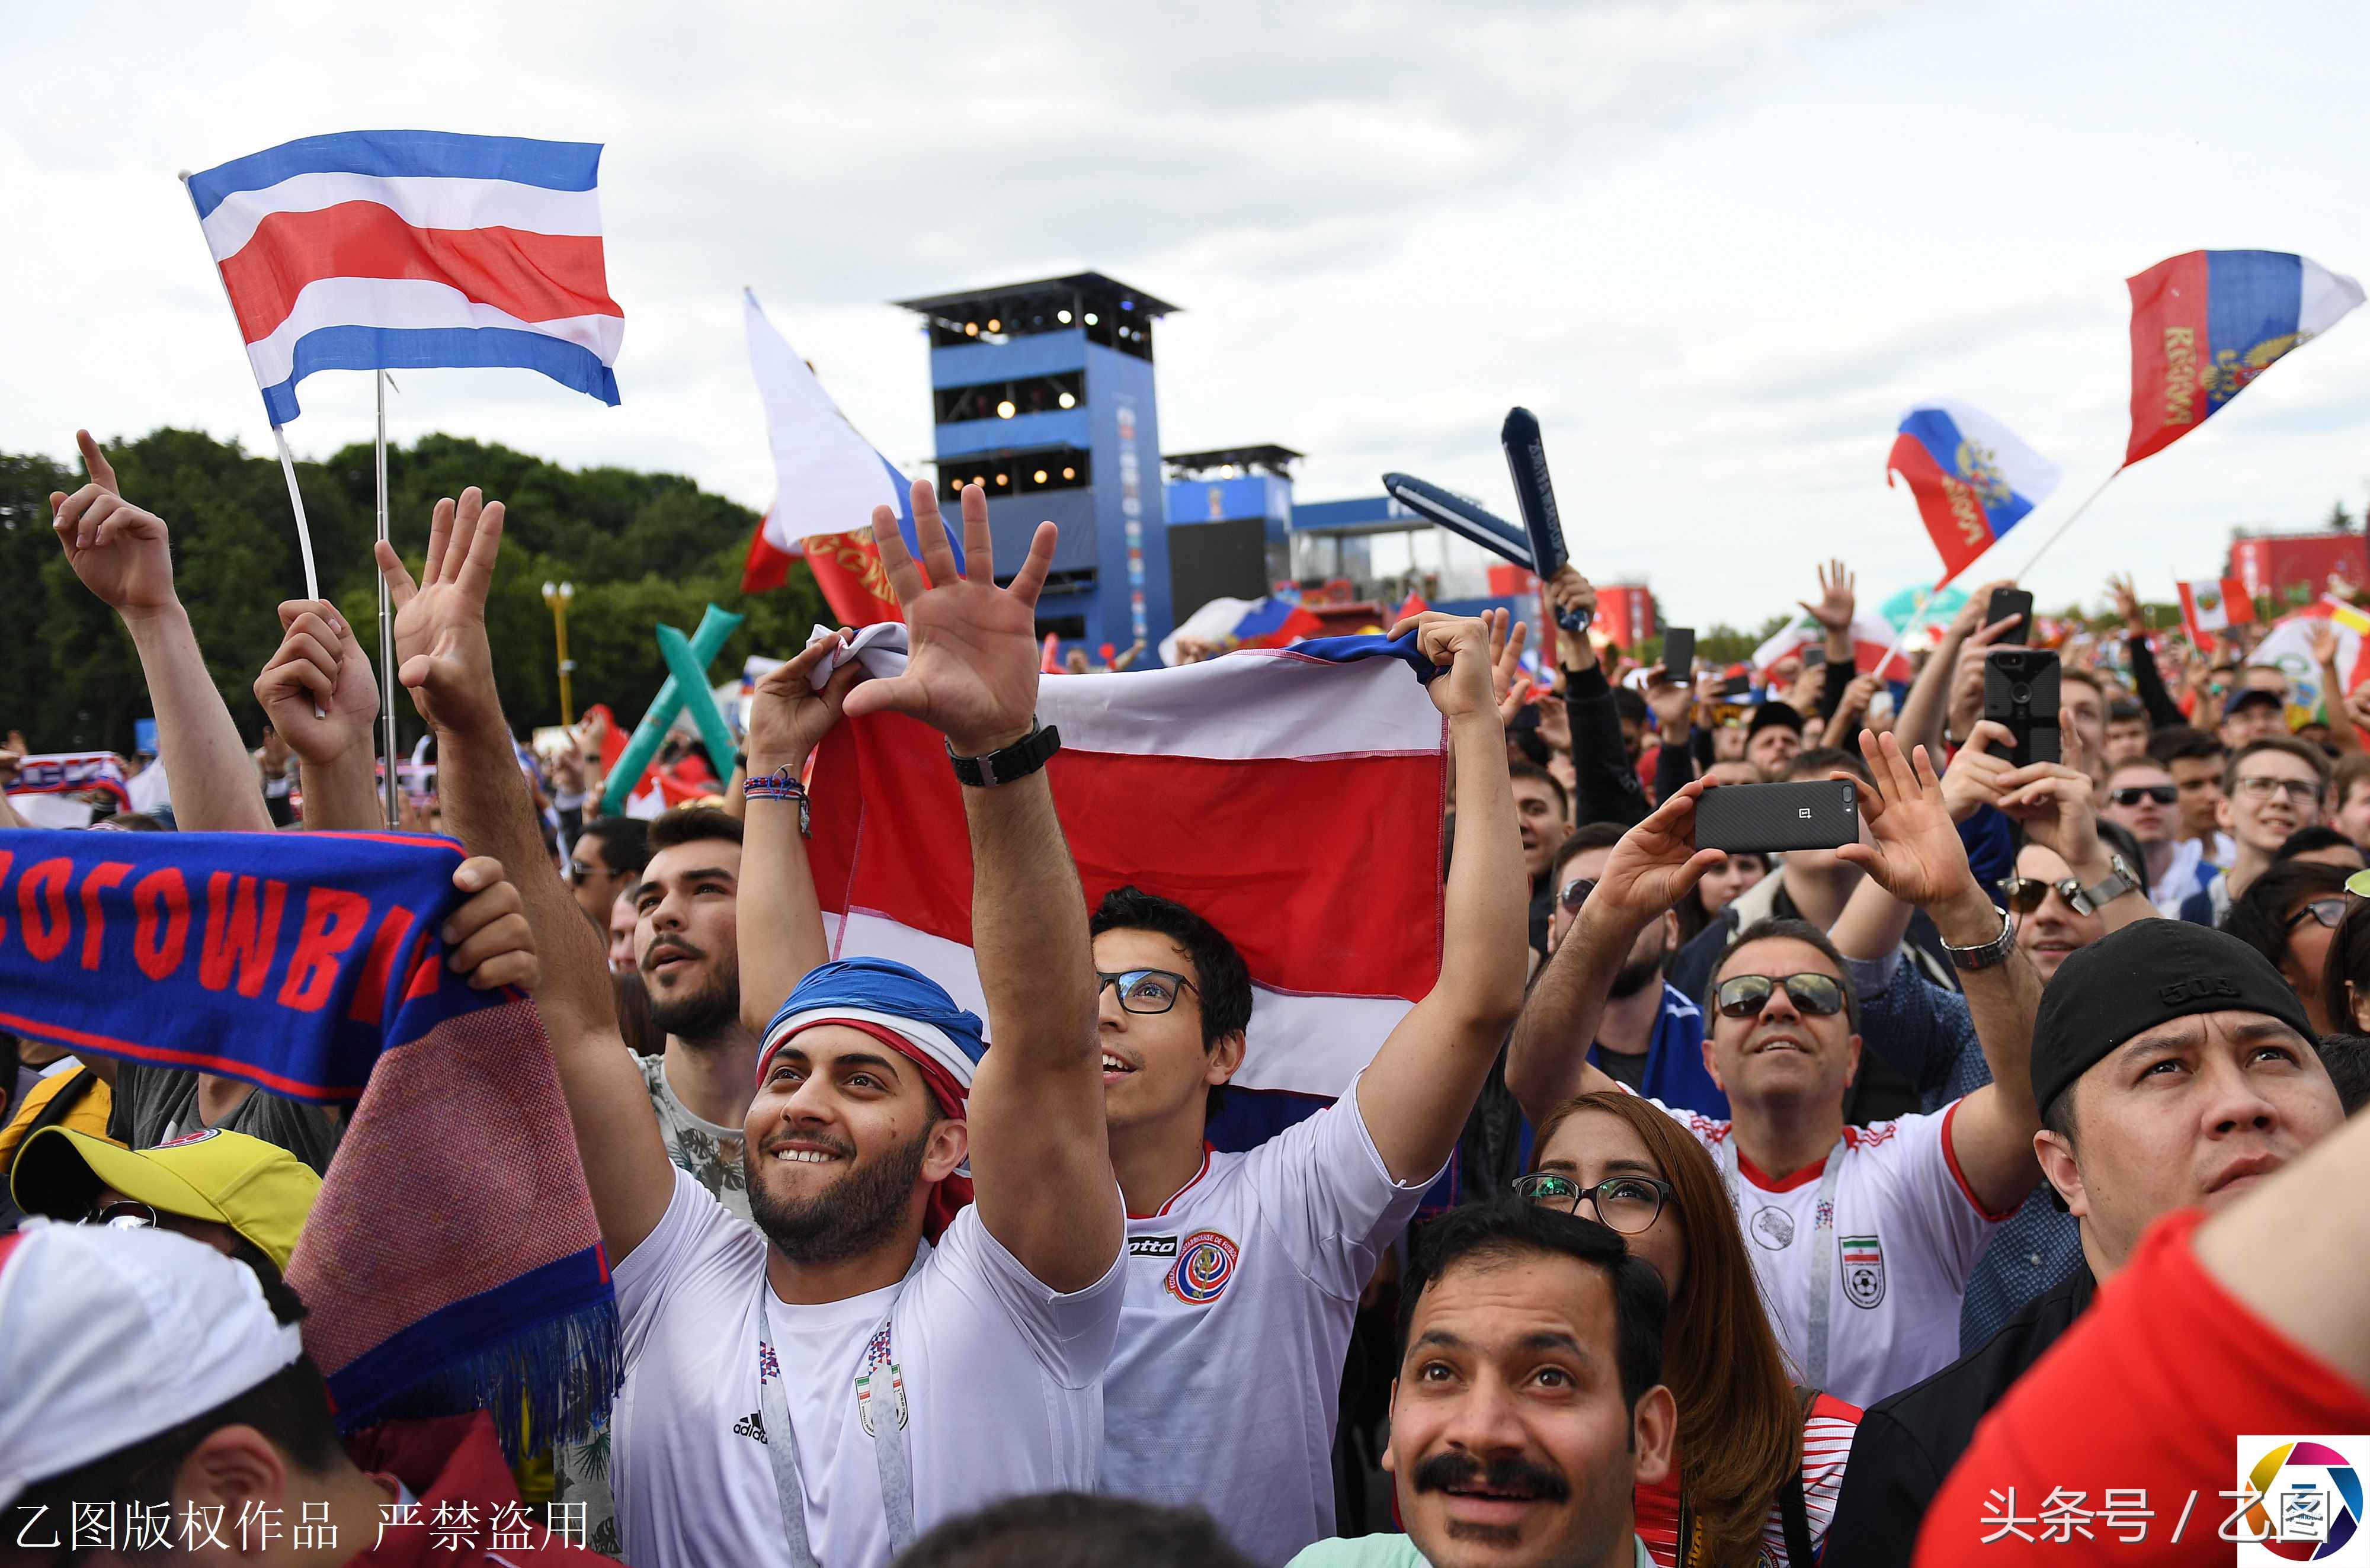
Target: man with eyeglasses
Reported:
point(2142, 797)
point(2270, 788)
point(1864, 1237)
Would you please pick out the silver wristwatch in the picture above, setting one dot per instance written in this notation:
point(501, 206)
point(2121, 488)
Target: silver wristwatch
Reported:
point(1990, 953)
point(2118, 881)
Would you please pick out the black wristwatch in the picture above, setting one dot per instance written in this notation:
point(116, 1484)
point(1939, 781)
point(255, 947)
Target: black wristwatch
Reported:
point(1018, 761)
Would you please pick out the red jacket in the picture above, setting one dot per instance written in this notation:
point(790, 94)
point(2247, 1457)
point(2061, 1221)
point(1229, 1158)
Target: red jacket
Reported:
point(468, 1511)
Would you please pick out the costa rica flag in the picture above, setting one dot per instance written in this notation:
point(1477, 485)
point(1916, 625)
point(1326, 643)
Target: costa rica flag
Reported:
point(2204, 324)
point(1971, 476)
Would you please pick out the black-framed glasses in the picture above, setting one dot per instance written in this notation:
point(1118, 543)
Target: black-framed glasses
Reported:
point(2025, 894)
point(2328, 912)
point(123, 1214)
point(1627, 1204)
point(1743, 996)
point(1145, 991)
point(2132, 795)
point(1575, 893)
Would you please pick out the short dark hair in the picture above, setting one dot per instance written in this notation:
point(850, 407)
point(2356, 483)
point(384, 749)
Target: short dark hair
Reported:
point(2124, 710)
point(2185, 743)
point(1073, 1529)
point(1820, 760)
point(1771, 929)
point(1588, 836)
point(2352, 769)
point(690, 825)
point(2302, 751)
point(624, 842)
point(1218, 969)
point(290, 1409)
point(1532, 771)
point(2349, 960)
point(2347, 1058)
point(2320, 836)
point(2258, 917)
point(1508, 1226)
point(1630, 704)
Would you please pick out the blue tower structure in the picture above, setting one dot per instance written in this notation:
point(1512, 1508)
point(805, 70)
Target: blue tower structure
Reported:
point(1042, 393)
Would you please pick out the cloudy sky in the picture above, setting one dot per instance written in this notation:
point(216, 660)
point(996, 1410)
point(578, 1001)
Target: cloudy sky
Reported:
point(1718, 246)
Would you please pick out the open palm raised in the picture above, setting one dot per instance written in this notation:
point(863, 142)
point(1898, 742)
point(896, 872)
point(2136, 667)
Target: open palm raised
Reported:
point(440, 649)
point(972, 667)
point(1916, 854)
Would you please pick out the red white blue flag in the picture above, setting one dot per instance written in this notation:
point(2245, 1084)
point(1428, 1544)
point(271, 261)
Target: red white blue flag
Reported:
point(1293, 797)
point(2207, 323)
point(1971, 476)
point(414, 249)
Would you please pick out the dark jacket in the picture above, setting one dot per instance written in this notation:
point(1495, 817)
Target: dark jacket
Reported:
point(1609, 790)
point(1907, 1442)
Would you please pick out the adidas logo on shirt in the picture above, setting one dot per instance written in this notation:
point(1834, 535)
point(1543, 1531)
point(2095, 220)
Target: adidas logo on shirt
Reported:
point(751, 1425)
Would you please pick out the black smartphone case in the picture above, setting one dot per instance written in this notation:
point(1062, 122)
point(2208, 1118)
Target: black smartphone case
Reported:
point(2020, 691)
point(1815, 814)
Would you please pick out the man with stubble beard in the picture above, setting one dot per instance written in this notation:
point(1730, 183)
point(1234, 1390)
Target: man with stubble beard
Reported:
point(687, 947)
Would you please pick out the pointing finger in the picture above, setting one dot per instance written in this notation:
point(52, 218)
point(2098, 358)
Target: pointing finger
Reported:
point(95, 463)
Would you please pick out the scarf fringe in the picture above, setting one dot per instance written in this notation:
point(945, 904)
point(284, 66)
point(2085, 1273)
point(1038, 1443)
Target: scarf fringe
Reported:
point(552, 1381)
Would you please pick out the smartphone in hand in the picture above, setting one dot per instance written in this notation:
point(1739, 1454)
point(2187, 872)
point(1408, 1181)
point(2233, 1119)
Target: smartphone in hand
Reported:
point(1810, 814)
point(2011, 605)
point(1679, 653)
point(2020, 691)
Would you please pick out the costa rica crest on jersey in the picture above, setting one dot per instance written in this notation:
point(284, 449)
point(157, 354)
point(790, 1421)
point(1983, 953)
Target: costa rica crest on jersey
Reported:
point(1863, 1261)
point(1206, 1261)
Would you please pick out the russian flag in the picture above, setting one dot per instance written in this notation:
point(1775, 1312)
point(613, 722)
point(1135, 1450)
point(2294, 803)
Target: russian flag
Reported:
point(1255, 789)
point(2207, 323)
point(414, 249)
point(1231, 623)
point(1973, 479)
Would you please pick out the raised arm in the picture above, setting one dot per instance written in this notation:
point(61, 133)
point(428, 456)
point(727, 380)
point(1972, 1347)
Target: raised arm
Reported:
point(319, 694)
point(780, 921)
point(1650, 869)
point(125, 556)
point(1039, 1154)
point(1917, 857)
point(1422, 1086)
point(444, 659)
point(1838, 600)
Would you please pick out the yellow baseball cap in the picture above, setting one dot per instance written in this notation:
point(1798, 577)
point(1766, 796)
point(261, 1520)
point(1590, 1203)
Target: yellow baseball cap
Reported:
point(258, 1189)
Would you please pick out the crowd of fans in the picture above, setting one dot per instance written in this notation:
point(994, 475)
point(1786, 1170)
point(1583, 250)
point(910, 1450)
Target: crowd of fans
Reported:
point(1837, 1205)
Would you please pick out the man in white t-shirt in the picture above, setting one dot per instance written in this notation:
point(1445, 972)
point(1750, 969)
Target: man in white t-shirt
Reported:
point(819, 1389)
point(1245, 1268)
point(1862, 1238)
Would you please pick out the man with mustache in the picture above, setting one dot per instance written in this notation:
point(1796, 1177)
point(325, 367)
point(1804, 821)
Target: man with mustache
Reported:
point(1529, 1404)
point(2175, 1069)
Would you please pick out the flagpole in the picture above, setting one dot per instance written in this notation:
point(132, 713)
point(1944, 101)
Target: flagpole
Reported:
point(385, 621)
point(2059, 532)
point(287, 462)
point(1917, 616)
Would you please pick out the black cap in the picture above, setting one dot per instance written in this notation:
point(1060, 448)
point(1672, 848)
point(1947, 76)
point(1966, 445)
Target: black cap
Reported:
point(1774, 714)
point(2148, 973)
point(2255, 697)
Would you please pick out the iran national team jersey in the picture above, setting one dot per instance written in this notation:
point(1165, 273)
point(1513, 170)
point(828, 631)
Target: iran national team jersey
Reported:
point(1002, 1380)
point(1905, 1231)
point(1241, 1291)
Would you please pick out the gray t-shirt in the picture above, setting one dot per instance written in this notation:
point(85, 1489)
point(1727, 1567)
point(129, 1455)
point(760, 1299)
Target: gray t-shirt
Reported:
point(156, 1105)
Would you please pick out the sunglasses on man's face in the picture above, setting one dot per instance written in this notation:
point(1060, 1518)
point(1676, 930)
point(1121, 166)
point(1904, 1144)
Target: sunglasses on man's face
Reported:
point(2132, 795)
point(1743, 996)
point(2026, 894)
point(1575, 893)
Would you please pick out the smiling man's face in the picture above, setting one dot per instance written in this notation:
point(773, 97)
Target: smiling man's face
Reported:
point(2054, 933)
point(1781, 1053)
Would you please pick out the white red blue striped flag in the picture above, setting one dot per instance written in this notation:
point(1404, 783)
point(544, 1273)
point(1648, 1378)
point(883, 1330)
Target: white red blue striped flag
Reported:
point(414, 249)
point(1291, 797)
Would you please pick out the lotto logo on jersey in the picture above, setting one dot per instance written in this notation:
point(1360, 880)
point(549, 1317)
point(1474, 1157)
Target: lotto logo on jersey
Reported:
point(1206, 1261)
point(1863, 1261)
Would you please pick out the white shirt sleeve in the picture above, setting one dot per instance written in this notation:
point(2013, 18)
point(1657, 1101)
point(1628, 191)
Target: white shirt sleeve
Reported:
point(1924, 1194)
point(1326, 1193)
point(1070, 1335)
point(697, 1246)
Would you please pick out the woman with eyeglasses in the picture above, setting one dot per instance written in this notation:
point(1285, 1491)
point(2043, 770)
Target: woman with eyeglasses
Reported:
point(2345, 973)
point(2290, 914)
point(1760, 1461)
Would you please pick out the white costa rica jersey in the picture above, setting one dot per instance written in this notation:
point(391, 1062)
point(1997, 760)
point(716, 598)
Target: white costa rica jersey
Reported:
point(1903, 1230)
point(1242, 1288)
point(999, 1376)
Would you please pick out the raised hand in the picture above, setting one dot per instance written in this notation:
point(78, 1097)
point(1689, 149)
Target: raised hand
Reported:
point(318, 689)
point(440, 650)
point(2324, 643)
point(972, 670)
point(1506, 677)
point(2057, 809)
point(1672, 706)
point(1655, 862)
point(488, 938)
point(1915, 855)
point(1838, 597)
point(1568, 590)
point(1967, 680)
point(2127, 603)
point(1857, 696)
point(1462, 647)
point(1973, 776)
point(122, 553)
point(789, 717)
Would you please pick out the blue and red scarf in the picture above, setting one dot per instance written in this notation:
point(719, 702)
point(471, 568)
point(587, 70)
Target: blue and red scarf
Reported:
point(451, 1261)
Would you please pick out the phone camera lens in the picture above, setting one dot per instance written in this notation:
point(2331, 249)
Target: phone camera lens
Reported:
point(2020, 693)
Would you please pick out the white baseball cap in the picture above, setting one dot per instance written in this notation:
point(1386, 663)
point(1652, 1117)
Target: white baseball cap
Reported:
point(109, 1336)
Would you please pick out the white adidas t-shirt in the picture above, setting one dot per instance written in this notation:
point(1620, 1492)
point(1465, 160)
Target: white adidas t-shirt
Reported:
point(1002, 1377)
point(1907, 1232)
point(1225, 1385)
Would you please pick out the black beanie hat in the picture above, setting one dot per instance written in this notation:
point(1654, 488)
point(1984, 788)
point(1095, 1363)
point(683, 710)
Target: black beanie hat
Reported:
point(1775, 715)
point(2130, 981)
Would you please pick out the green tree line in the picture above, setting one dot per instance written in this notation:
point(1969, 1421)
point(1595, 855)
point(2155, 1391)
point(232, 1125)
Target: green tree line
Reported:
point(641, 549)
